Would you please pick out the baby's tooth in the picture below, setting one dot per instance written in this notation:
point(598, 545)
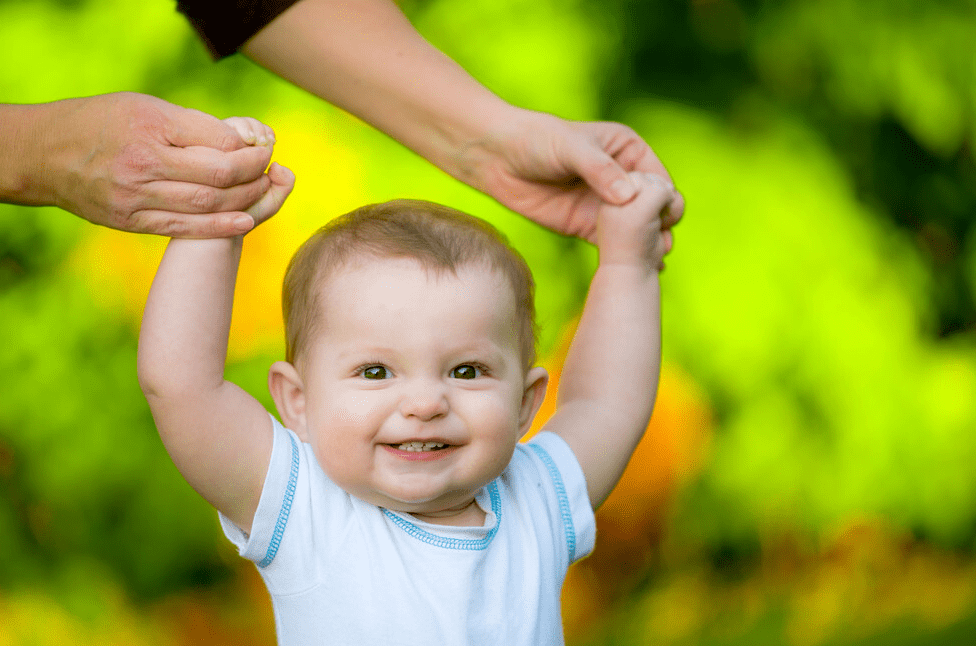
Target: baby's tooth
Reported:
point(417, 445)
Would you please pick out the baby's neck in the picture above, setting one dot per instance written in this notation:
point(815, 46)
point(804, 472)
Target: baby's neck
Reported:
point(471, 515)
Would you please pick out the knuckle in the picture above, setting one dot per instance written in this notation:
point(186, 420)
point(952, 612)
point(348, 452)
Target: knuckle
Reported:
point(123, 220)
point(222, 174)
point(143, 222)
point(137, 160)
point(203, 199)
point(121, 207)
point(145, 114)
point(229, 141)
point(227, 135)
point(172, 226)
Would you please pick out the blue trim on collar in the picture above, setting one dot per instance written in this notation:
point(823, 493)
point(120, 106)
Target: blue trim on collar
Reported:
point(564, 509)
point(279, 529)
point(453, 543)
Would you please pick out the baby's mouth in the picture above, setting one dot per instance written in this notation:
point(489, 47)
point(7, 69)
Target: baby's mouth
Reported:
point(420, 447)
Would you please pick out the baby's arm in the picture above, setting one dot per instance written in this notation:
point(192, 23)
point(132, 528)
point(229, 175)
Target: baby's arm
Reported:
point(218, 436)
point(609, 382)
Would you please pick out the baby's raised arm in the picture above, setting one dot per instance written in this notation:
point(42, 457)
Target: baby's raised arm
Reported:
point(218, 436)
point(609, 382)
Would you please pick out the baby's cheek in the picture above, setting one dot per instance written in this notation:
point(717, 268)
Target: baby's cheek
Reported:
point(356, 415)
point(497, 418)
point(340, 463)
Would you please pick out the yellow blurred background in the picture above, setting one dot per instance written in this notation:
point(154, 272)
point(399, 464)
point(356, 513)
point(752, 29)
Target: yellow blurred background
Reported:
point(808, 475)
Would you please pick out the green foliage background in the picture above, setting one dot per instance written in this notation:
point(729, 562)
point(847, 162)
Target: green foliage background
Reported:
point(821, 291)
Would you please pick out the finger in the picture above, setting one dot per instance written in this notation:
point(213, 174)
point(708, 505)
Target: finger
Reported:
point(656, 193)
point(252, 131)
point(188, 127)
point(184, 197)
point(185, 225)
point(675, 212)
point(667, 241)
point(601, 172)
point(629, 149)
point(635, 155)
point(652, 165)
point(209, 167)
point(282, 183)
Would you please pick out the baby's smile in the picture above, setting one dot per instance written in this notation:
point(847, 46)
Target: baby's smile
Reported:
point(420, 446)
point(418, 450)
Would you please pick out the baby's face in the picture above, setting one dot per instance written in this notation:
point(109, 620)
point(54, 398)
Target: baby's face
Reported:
point(415, 393)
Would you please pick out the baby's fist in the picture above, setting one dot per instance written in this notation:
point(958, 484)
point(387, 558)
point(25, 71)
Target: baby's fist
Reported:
point(633, 232)
point(255, 133)
point(252, 131)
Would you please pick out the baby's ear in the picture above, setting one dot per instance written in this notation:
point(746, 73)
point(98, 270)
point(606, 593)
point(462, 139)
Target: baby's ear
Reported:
point(534, 394)
point(288, 392)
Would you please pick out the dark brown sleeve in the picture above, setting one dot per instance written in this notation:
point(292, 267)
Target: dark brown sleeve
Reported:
point(225, 25)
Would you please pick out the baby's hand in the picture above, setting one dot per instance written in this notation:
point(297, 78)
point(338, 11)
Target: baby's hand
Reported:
point(633, 233)
point(255, 133)
point(252, 131)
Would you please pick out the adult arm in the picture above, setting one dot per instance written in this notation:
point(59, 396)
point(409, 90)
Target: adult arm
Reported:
point(609, 381)
point(132, 162)
point(218, 436)
point(365, 57)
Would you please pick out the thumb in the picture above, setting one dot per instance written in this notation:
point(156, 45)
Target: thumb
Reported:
point(282, 183)
point(602, 173)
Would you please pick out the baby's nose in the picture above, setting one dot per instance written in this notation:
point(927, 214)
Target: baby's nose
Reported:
point(424, 401)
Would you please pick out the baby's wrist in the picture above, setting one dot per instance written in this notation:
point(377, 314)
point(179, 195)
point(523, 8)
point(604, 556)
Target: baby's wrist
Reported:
point(628, 261)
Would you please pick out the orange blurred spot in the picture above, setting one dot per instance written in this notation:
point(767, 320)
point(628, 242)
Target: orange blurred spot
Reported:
point(630, 523)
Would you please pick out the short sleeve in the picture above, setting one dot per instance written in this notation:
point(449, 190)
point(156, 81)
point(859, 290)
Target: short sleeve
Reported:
point(575, 510)
point(225, 25)
point(274, 507)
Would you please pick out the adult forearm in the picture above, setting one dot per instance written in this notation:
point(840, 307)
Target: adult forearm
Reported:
point(27, 150)
point(365, 57)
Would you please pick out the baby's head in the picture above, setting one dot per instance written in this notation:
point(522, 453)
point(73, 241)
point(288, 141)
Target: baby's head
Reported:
point(410, 343)
point(439, 238)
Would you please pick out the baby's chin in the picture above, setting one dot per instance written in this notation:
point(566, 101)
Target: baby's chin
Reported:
point(428, 504)
point(433, 506)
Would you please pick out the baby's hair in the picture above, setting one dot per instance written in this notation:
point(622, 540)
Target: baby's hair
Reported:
point(438, 237)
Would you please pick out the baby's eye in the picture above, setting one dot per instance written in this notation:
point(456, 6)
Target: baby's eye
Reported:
point(466, 371)
point(375, 372)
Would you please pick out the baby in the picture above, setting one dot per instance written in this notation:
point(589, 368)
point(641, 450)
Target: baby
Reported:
point(394, 503)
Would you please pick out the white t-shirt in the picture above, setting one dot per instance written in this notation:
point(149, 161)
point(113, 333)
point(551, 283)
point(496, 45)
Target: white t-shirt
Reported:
point(341, 571)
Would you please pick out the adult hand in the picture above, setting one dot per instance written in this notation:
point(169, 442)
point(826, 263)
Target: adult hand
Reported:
point(557, 172)
point(136, 163)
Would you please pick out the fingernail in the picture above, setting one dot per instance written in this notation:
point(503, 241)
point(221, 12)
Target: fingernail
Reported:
point(243, 222)
point(622, 190)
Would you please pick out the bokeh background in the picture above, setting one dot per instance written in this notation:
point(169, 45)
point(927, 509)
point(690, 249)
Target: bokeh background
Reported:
point(809, 478)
